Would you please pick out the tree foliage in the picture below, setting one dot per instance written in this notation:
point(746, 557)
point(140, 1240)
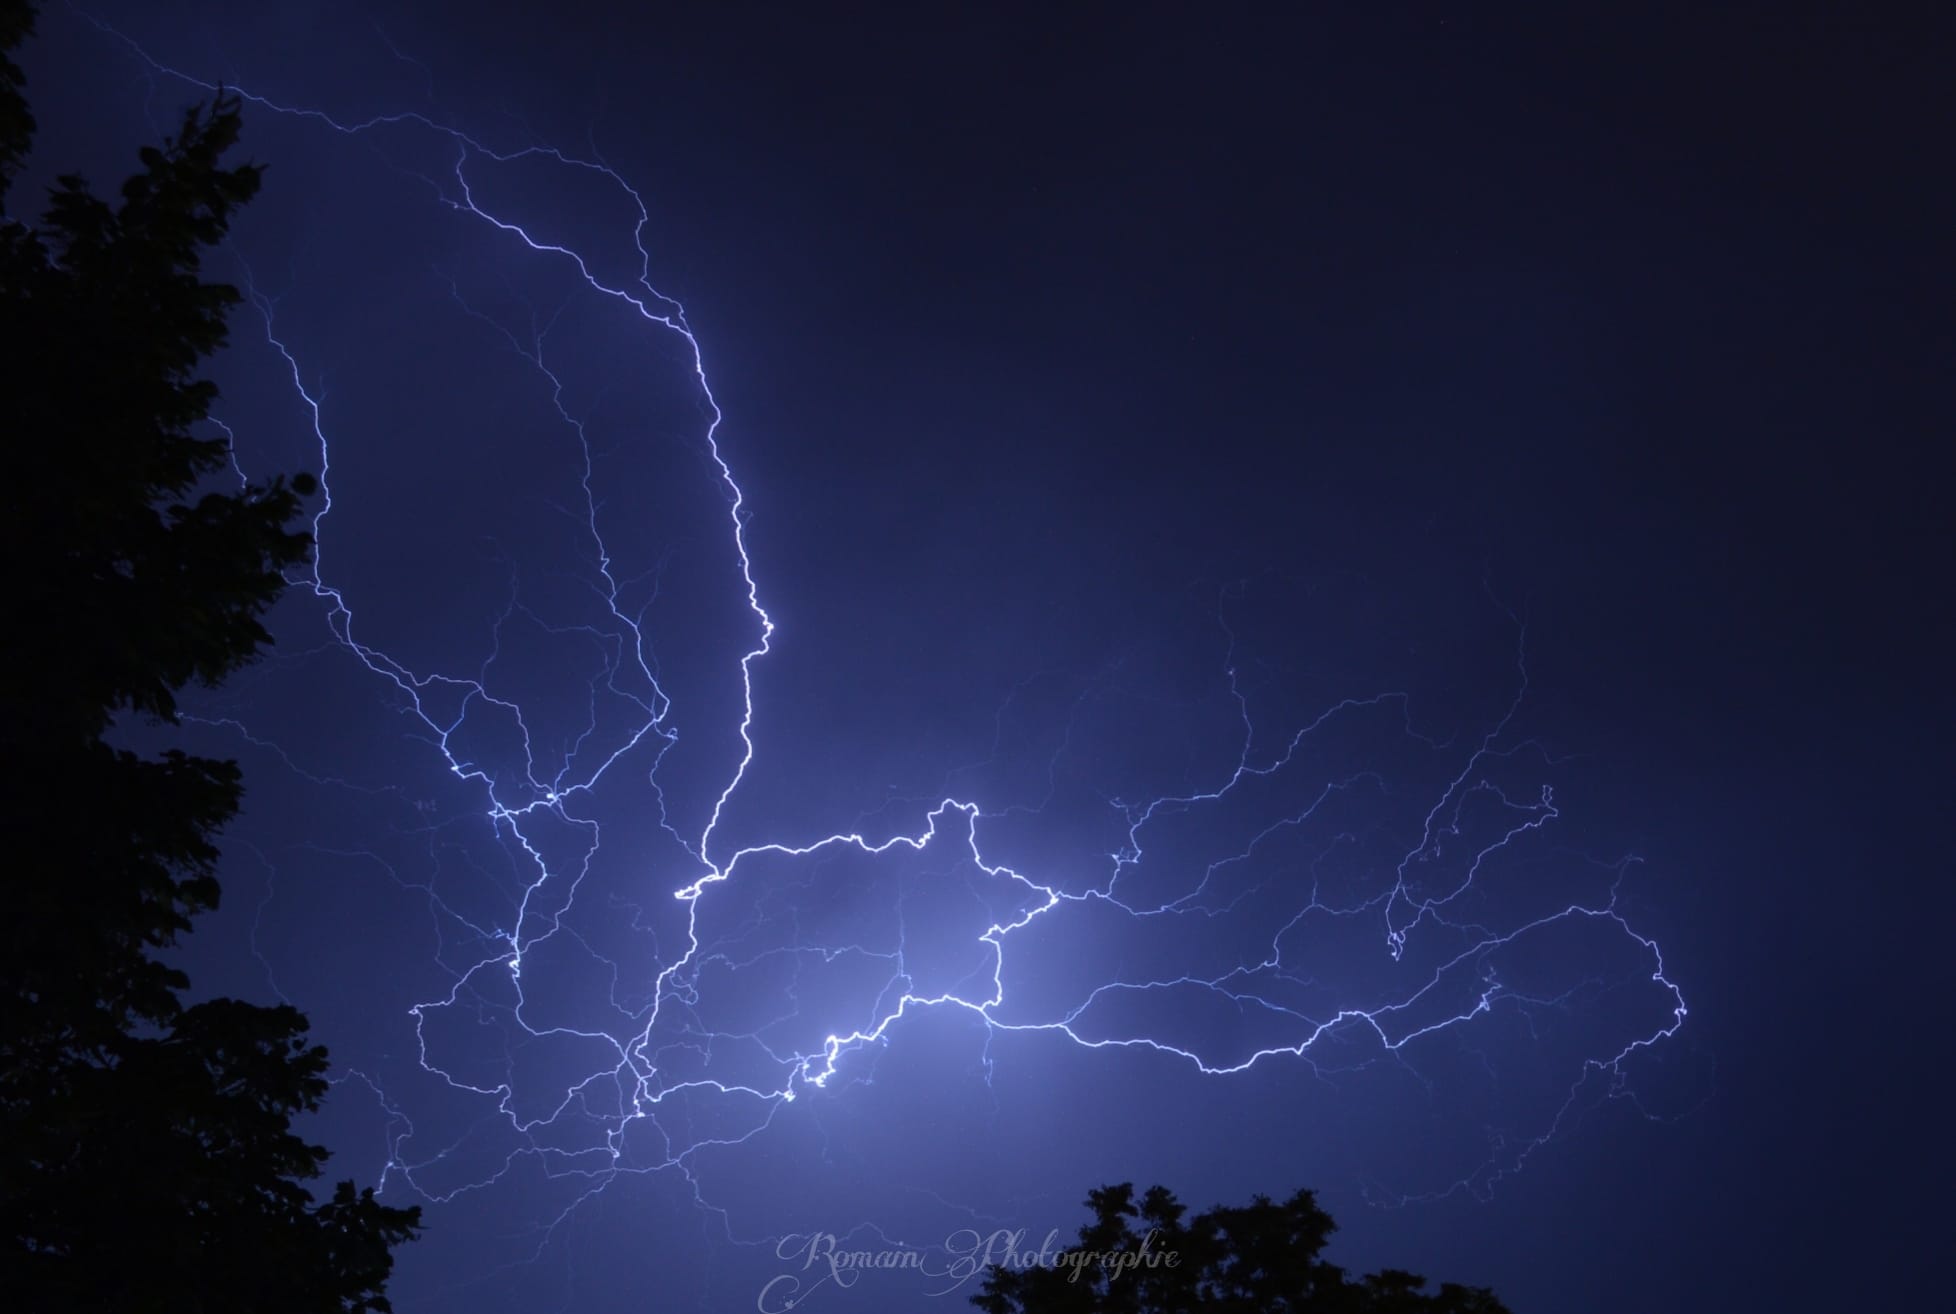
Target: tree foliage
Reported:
point(1260, 1258)
point(147, 1159)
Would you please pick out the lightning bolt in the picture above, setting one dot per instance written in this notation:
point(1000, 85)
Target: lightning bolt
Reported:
point(686, 1063)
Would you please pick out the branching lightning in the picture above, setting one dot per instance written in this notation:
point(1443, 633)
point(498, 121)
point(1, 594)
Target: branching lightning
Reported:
point(1441, 954)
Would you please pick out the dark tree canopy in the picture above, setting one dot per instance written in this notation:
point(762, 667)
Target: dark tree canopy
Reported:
point(147, 1160)
point(1260, 1258)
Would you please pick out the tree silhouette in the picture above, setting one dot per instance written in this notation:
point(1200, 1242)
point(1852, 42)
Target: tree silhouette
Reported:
point(1261, 1258)
point(147, 1160)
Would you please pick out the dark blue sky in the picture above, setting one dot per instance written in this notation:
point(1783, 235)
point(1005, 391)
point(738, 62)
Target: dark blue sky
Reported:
point(1110, 398)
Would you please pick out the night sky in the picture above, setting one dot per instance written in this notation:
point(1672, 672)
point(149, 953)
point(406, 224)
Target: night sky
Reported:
point(1389, 550)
